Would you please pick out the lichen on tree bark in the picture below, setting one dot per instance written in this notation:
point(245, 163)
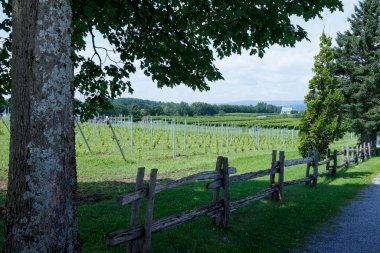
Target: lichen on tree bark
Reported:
point(41, 210)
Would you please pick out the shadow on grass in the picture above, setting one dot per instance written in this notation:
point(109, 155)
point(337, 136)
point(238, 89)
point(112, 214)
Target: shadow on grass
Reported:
point(345, 173)
point(262, 226)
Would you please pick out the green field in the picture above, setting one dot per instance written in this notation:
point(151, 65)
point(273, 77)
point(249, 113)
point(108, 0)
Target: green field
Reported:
point(262, 226)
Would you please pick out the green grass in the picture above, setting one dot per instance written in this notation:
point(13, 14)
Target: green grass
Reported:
point(262, 226)
point(155, 145)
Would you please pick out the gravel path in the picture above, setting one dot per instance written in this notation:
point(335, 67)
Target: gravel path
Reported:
point(356, 230)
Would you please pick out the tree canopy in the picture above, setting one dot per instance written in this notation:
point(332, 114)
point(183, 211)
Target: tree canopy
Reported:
point(173, 42)
point(321, 123)
point(358, 68)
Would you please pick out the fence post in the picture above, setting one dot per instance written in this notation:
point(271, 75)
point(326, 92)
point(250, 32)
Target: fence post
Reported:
point(315, 167)
point(328, 159)
point(134, 246)
point(343, 153)
point(357, 155)
point(369, 150)
point(226, 192)
point(215, 192)
point(273, 174)
point(149, 211)
point(347, 156)
point(280, 193)
point(361, 153)
point(308, 169)
point(335, 162)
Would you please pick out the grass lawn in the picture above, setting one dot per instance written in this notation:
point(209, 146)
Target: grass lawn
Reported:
point(262, 226)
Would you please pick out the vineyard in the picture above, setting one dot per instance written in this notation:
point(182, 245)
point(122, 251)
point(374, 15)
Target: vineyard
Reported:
point(169, 139)
point(243, 120)
point(164, 138)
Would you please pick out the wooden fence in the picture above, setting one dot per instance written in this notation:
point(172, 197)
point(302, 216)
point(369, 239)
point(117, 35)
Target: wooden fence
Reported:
point(220, 208)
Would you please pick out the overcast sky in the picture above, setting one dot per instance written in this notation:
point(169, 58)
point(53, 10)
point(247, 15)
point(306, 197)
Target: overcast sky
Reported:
point(282, 74)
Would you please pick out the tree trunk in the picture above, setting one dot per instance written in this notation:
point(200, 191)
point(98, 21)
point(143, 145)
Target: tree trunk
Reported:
point(41, 209)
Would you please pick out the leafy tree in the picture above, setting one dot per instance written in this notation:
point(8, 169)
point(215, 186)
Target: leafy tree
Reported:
point(169, 109)
point(358, 69)
point(184, 109)
point(321, 123)
point(221, 113)
point(153, 110)
point(135, 111)
point(174, 42)
point(200, 108)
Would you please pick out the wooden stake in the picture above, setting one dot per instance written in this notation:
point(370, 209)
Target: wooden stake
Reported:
point(363, 152)
point(117, 140)
point(149, 212)
point(335, 162)
point(315, 167)
point(308, 169)
point(328, 158)
point(357, 155)
point(226, 192)
point(215, 192)
point(84, 137)
point(134, 246)
point(369, 150)
point(273, 175)
point(131, 130)
point(281, 176)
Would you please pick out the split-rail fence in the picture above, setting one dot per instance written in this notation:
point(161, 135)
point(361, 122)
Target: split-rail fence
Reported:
point(220, 208)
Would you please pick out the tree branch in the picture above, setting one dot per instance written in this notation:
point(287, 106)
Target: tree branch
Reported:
point(93, 45)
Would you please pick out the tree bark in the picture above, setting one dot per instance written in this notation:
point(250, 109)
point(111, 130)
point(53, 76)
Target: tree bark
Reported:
point(41, 209)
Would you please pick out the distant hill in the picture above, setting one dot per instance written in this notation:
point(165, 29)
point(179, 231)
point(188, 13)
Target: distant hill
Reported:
point(295, 104)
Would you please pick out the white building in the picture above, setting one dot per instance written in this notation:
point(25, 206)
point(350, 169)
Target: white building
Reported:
point(286, 110)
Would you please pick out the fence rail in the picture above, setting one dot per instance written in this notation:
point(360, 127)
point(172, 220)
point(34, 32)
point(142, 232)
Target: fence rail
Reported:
point(221, 207)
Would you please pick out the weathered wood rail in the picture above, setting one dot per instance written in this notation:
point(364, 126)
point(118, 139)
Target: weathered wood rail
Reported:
point(221, 206)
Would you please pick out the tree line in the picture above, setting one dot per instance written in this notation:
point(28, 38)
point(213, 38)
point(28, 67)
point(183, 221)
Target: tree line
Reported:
point(140, 107)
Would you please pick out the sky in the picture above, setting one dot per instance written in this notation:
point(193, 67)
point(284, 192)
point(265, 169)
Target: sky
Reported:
point(282, 74)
